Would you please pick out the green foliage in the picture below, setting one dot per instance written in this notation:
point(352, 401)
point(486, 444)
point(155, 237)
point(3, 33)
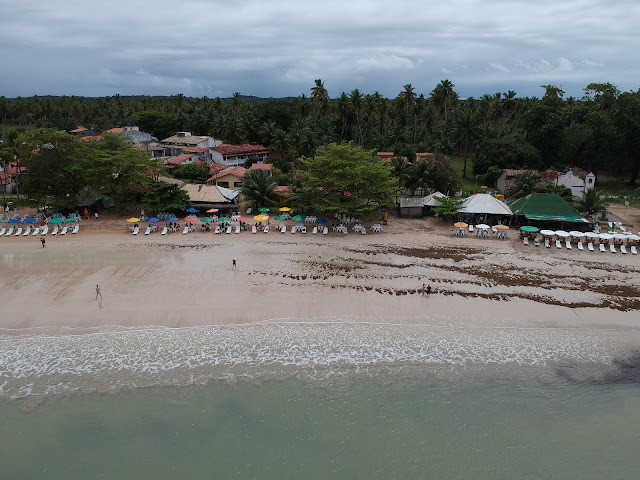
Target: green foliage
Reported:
point(592, 204)
point(490, 177)
point(564, 192)
point(198, 172)
point(250, 161)
point(344, 178)
point(524, 184)
point(445, 178)
point(257, 189)
point(449, 208)
point(506, 152)
point(163, 197)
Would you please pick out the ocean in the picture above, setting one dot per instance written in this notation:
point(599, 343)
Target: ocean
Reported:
point(331, 399)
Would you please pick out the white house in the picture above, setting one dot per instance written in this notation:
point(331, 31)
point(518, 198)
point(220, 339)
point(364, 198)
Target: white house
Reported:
point(577, 185)
point(236, 155)
point(175, 144)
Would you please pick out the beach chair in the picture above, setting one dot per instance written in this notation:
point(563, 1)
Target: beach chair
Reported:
point(536, 242)
point(76, 228)
point(568, 244)
point(217, 230)
point(294, 228)
point(27, 232)
point(36, 231)
point(2, 230)
point(314, 231)
point(303, 229)
point(237, 228)
point(283, 229)
point(9, 232)
point(623, 249)
point(55, 230)
point(558, 244)
point(612, 248)
point(147, 231)
point(470, 228)
point(44, 230)
point(64, 231)
point(135, 230)
point(229, 229)
point(590, 247)
point(165, 230)
point(547, 243)
point(266, 229)
point(525, 240)
point(363, 231)
point(602, 249)
point(634, 250)
point(325, 231)
point(254, 229)
point(186, 230)
point(580, 247)
point(19, 231)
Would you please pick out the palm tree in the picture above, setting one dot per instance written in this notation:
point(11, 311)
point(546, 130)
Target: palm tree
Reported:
point(422, 176)
point(443, 97)
point(466, 128)
point(401, 170)
point(592, 203)
point(523, 184)
point(258, 189)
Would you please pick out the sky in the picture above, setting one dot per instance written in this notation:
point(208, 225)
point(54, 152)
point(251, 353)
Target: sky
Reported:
point(277, 48)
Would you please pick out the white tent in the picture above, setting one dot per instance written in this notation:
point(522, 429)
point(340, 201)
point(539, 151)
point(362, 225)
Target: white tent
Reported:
point(483, 203)
point(431, 200)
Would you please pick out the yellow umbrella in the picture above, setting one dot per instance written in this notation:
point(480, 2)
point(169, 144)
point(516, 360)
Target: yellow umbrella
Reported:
point(261, 218)
point(460, 225)
point(133, 220)
point(502, 227)
point(285, 209)
point(212, 210)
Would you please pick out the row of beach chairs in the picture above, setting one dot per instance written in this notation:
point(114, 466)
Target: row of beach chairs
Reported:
point(30, 230)
point(580, 246)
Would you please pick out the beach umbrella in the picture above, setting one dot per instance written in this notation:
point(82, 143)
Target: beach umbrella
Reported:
point(591, 235)
point(299, 218)
point(285, 209)
point(575, 233)
point(242, 219)
point(321, 220)
point(605, 236)
point(212, 210)
point(562, 233)
point(279, 218)
point(547, 232)
point(634, 237)
point(15, 220)
point(71, 219)
point(191, 210)
point(530, 229)
point(129, 220)
point(206, 220)
point(53, 220)
point(171, 219)
point(224, 219)
point(153, 219)
point(261, 218)
point(263, 209)
point(190, 219)
point(502, 227)
point(28, 220)
point(460, 225)
point(482, 226)
point(619, 236)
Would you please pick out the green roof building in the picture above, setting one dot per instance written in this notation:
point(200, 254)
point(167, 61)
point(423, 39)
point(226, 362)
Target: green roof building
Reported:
point(546, 206)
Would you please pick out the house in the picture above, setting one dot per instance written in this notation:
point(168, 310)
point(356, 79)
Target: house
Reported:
point(175, 144)
point(266, 168)
point(386, 156)
point(180, 160)
point(134, 135)
point(411, 206)
point(81, 132)
point(577, 185)
point(9, 178)
point(237, 154)
point(425, 157)
point(154, 149)
point(505, 180)
point(230, 177)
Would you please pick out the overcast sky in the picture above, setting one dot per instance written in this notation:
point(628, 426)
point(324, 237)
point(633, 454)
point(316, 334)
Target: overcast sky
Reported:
point(278, 47)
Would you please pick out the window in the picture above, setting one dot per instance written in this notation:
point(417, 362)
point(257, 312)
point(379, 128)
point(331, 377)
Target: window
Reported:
point(591, 180)
point(237, 184)
point(224, 184)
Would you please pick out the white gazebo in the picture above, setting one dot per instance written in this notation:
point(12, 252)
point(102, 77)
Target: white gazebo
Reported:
point(484, 204)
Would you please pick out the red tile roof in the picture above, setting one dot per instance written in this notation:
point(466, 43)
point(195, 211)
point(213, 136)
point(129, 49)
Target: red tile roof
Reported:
point(195, 150)
point(216, 167)
point(246, 148)
point(237, 171)
point(79, 129)
point(262, 166)
point(114, 130)
point(282, 189)
point(7, 174)
point(179, 159)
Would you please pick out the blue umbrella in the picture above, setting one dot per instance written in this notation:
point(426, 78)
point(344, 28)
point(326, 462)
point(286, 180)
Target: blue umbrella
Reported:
point(13, 220)
point(171, 219)
point(153, 219)
point(321, 220)
point(28, 220)
point(191, 210)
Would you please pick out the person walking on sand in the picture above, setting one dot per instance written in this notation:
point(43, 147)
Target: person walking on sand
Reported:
point(96, 214)
point(423, 290)
point(428, 289)
point(98, 294)
point(42, 240)
point(234, 264)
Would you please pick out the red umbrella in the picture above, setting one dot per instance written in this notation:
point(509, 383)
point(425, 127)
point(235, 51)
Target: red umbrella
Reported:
point(243, 219)
point(191, 219)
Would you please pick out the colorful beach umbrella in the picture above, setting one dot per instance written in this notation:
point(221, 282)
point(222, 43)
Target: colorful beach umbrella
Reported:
point(280, 218)
point(224, 219)
point(15, 220)
point(242, 219)
point(502, 227)
point(28, 220)
point(153, 219)
point(190, 219)
point(191, 210)
point(212, 210)
point(53, 220)
point(460, 225)
point(298, 218)
point(206, 220)
point(129, 220)
point(171, 219)
point(285, 209)
point(71, 219)
point(529, 229)
point(261, 218)
point(321, 220)
point(263, 209)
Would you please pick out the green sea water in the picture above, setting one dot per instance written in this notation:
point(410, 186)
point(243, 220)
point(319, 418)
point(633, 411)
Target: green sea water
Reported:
point(425, 425)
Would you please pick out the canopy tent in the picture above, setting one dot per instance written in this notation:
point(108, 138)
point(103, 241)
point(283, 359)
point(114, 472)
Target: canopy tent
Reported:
point(431, 200)
point(483, 203)
point(546, 206)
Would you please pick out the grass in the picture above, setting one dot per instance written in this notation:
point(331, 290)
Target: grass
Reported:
point(619, 187)
point(466, 184)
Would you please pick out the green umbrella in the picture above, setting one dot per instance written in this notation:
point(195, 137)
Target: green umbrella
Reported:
point(529, 229)
point(279, 218)
point(224, 219)
point(206, 220)
point(298, 218)
point(263, 209)
point(57, 220)
point(71, 219)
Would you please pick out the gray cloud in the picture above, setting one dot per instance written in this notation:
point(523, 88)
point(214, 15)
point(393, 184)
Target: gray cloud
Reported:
point(278, 48)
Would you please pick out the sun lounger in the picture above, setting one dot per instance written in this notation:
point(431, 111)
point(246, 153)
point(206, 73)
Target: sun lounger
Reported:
point(325, 231)
point(136, 230)
point(254, 229)
point(10, 232)
point(547, 243)
point(76, 228)
point(303, 229)
point(27, 231)
point(55, 230)
point(44, 230)
point(294, 228)
point(590, 247)
point(525, 240)
point(612, 248)
point(314, 231)
point(2, 230)
point(237, 228)
point(470, 228)
point(266, 229)
point(36, 231)
point(634, 250)
point(64, 231)
point(363, 231)
point(19, 231)
point(186, 230)
point(217, 230)
point(623, 249)
point(536, 242)
point(164, 231)
point(558, 244)
point(580, 247)
point(284, 229)
point(602, 249)
point(229, 229)
point(568, 244)
point(147, 231)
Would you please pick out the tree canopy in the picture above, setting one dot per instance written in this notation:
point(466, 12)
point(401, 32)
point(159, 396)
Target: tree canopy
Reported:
point(344, 178)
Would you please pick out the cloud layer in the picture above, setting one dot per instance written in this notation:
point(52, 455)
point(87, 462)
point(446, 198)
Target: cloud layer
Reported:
point(277, 48)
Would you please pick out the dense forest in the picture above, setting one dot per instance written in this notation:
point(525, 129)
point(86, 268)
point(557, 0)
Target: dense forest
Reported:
point(599, 131)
